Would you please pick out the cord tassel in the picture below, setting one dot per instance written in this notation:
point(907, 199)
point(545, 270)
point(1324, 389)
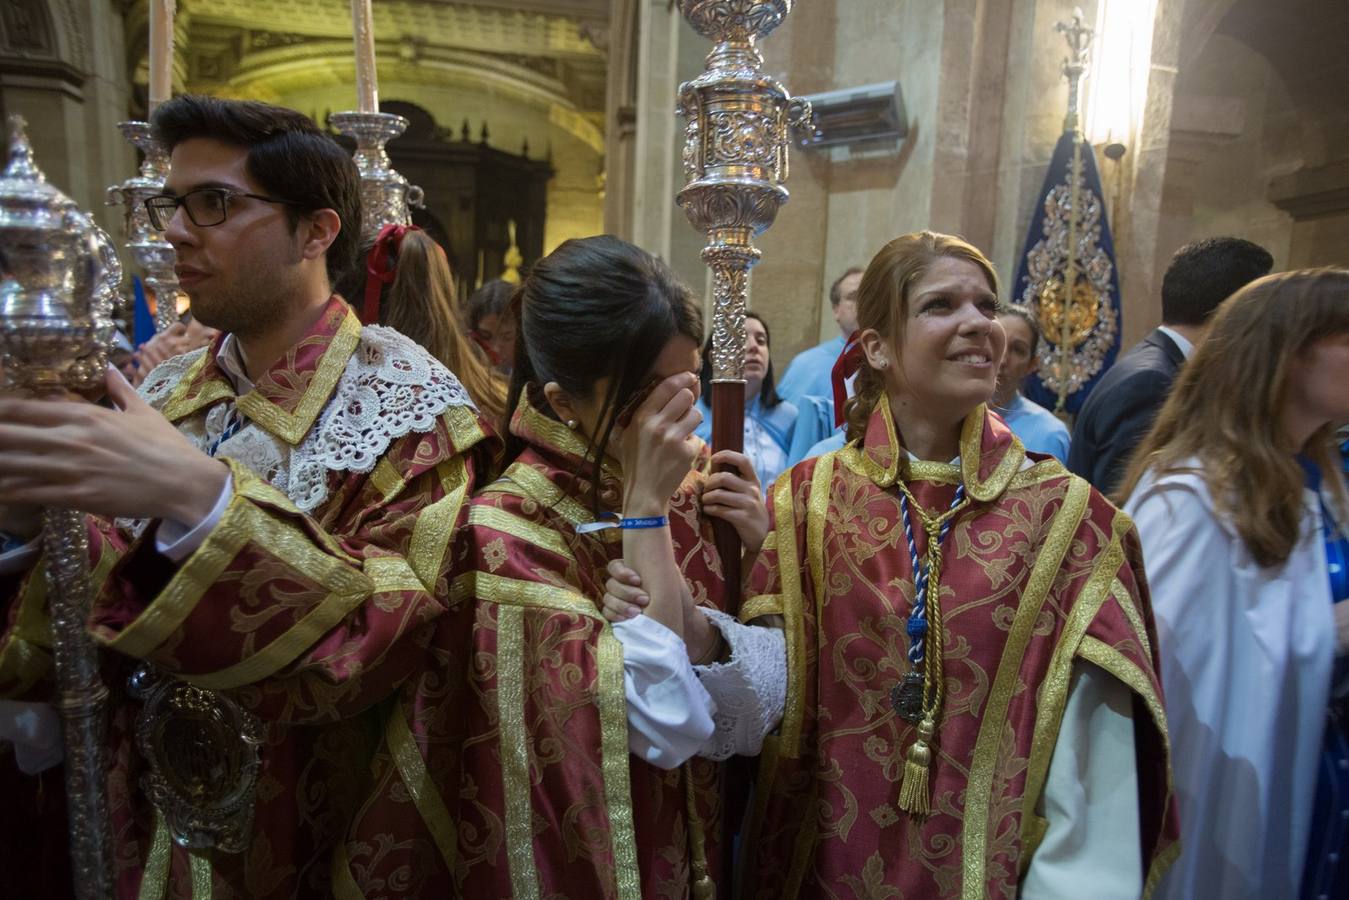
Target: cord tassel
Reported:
point(915, 796)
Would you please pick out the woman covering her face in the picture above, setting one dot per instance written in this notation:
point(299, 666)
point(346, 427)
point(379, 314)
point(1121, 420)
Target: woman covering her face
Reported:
point(970, 704)
point(1240, 506)
point(566, 747)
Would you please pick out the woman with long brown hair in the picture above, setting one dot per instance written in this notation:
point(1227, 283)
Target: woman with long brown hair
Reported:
point(403, 281)
point(971, 706)
point(1236, 494)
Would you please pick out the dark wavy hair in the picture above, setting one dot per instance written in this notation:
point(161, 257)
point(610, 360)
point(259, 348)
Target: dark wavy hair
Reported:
point(768, 392)
point(595, 308)
point(289, 157)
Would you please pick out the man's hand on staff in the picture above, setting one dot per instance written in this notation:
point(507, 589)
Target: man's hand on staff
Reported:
point(125, 462)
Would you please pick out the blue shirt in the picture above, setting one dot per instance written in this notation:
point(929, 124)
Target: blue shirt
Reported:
point(1036, 427)
point(768, 434)
point(811, 372)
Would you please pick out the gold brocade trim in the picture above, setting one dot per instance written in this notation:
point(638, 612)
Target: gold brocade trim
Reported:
point(464, 427)
point(280, 652)
point(200, 867)
point(615, 765)
point(817, 516)
point(1052, 696)
point(243, 522)
point(292, 427)
point(537, 487)
point(386, 481)
point(870, 468)
point(25, 656)
point(435, 525)
point(971, 456)
point(177, 406)
point(425, 795)
point(392, 574)
point(761, 605)
point(560, 437)
point(344, 885)
point(515, 752)
point(508, 522)
point(167, 612)
point(979, 786)
point(1123, 668)
point(251, 487)
point(1044, 470)
point(155, 874)
point(789, 571)
point(516, 592)
point(1161, 864)
point(1126, 603)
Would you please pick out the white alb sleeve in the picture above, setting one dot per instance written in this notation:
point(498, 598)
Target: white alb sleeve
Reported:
point(177, 541)
point(669, 711)
point(35, 731)
point(749, 690)
point(1091, 847)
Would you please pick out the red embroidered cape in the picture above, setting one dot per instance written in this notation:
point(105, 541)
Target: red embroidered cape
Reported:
point(308, 621)
point(1039, 572)
point(516, 761)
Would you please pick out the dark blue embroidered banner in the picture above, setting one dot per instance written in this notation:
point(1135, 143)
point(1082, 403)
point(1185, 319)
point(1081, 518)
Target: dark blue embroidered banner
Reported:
point(1081, 325)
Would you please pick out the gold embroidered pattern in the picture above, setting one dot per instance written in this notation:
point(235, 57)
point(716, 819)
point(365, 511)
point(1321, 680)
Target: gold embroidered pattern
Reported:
point(386, 481)
point(512, 677)
point(789, 571)
point(1053, 693)
point(344, 883)
point(425, 795)
point(762, 605)
point(519, 593)
point(974, 833)
point(292, 427)
point(817, 516)
point(392, 574)
point(435, 524)
point(167, 612)
point(155, 876)
point(509, 523)
point(179, 405)
point(614, 762)
point(494, 554)
point(200, 866)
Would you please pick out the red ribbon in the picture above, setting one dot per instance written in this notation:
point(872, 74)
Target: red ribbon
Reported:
point(380, 269)
point(845, 367)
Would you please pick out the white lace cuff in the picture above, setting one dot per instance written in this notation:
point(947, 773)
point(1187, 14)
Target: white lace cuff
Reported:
point(750, 691)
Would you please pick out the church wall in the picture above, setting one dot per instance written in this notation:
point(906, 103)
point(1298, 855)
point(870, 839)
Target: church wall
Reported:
point(73, 125)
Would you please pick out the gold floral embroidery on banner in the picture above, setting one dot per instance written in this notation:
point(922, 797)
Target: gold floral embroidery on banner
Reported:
point(1085, 311)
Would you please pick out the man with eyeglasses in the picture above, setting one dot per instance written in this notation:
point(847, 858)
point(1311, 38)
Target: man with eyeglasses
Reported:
point(271, 518)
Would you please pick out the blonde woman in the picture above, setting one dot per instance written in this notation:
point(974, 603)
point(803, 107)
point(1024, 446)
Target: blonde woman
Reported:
point(971, 704)
point(1236, 493)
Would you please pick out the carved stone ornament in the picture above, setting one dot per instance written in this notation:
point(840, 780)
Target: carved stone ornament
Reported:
point(203, 750)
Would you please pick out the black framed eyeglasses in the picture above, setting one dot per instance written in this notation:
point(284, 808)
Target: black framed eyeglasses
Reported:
point(206, 206)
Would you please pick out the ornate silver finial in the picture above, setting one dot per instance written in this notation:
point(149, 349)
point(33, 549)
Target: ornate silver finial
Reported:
point(386, 196)
point(20, 163)
point(53, 336)
point(152, 252)
point(737, 124)
point(1078, 35)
